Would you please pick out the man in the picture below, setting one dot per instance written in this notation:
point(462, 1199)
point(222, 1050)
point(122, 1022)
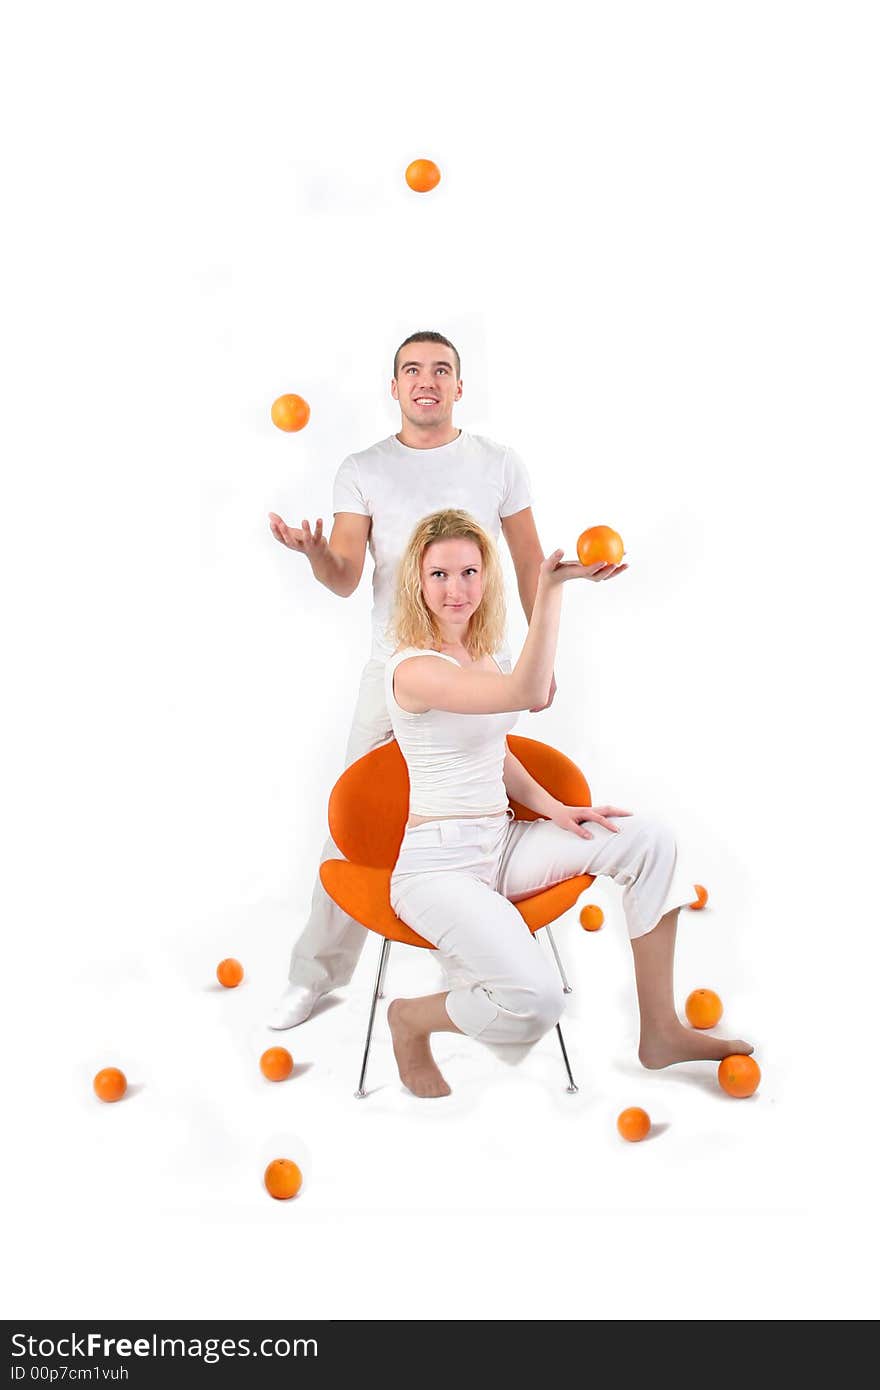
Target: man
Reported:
point(379, 495)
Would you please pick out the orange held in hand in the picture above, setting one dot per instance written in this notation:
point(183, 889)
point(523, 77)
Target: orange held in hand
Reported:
point(591, 917)
point(290, 413)
point(230, 972)
point(633, 1124)
point(739, 1076)
point(422, 175)
point(701, 899)
point(599, 545)
point(283, 1179)
point(110, 1084)
point(703, 1008)
point(276, 1064)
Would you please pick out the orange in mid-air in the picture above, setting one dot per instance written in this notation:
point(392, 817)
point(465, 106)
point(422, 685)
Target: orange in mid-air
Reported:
point(422, 175)
point(701, 899)
point(703, 1008)
point(110, 1084)
point(290, 413)
point(230, 972)
point(283, 1179)
point(599, 545)
point(276, 1064)
point(739, 1075)
point(591, 917)
point(633, 1124)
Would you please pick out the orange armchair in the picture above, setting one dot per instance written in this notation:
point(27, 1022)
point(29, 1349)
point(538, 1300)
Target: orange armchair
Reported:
point(369, 806)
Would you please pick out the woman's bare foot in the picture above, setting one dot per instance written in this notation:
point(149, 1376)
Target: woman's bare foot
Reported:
point(412, 1051)
point(680, 1044)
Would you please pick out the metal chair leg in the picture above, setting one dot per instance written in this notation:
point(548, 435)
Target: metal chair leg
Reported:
point(384, 970)
point(383, 956)
point(571, 1087)
point(566, 987)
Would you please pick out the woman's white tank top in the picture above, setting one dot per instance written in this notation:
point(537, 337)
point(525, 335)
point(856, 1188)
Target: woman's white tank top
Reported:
point(455, 761)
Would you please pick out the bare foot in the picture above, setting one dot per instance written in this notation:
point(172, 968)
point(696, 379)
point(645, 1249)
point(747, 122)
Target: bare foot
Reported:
point(680, 1044)
point(412, 1051)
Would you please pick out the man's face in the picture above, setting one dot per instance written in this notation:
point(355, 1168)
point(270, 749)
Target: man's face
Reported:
point(426, 385)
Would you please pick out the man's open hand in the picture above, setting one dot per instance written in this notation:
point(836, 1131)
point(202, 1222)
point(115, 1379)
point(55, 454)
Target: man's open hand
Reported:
point(306, 542)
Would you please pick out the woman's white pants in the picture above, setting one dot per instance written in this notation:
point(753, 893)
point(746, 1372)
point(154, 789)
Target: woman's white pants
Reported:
point(455, 883)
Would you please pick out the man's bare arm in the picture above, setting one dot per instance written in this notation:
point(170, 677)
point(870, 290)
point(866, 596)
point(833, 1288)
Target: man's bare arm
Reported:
point(338, 563)
point(521, 535)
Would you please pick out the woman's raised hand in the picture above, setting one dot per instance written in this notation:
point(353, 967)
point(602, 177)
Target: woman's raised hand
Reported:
point(554, 570)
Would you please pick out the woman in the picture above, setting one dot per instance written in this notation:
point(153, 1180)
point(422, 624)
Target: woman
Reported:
point(463, 860)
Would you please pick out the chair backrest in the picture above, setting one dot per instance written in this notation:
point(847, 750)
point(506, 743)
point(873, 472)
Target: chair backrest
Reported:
point(370, 803)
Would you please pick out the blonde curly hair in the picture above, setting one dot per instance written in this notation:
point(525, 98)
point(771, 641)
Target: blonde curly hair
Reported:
point(413, 624)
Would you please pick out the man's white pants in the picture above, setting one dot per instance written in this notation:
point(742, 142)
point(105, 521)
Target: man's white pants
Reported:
point(329, 947)
point(455, 883)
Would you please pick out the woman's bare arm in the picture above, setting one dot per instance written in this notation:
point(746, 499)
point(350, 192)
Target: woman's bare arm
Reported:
point(422, 682)
point(522, 787)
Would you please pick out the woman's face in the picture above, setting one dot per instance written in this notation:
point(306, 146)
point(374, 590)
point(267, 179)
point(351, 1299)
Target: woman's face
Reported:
point(452, 581)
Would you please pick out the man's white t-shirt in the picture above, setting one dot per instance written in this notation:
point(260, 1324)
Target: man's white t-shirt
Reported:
point(396, 486)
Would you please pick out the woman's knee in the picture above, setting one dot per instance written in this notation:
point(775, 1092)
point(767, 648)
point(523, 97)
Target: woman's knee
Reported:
point(548, 1005)
point(532, 1006)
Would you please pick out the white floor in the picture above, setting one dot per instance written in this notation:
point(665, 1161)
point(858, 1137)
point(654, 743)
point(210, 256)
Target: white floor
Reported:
point(511, 1198)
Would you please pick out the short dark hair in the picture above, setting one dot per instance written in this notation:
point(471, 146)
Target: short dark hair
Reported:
point(428, 338)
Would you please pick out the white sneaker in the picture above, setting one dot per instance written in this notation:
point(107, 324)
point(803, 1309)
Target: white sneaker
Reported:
point(294, 1006)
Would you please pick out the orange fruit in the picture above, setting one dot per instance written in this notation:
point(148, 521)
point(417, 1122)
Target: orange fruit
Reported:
point(633, 1124)
point(290, 413)
point(276, 1064)
point(283, 1179)
point(703, 1008)
point(738, 1075)
point(599, 544)
point(591, 917)
point(110, 1084)
point(422, 175)
point(230, 972)
point(701, 899)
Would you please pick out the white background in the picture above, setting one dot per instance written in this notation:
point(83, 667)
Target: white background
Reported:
point(654, 244)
